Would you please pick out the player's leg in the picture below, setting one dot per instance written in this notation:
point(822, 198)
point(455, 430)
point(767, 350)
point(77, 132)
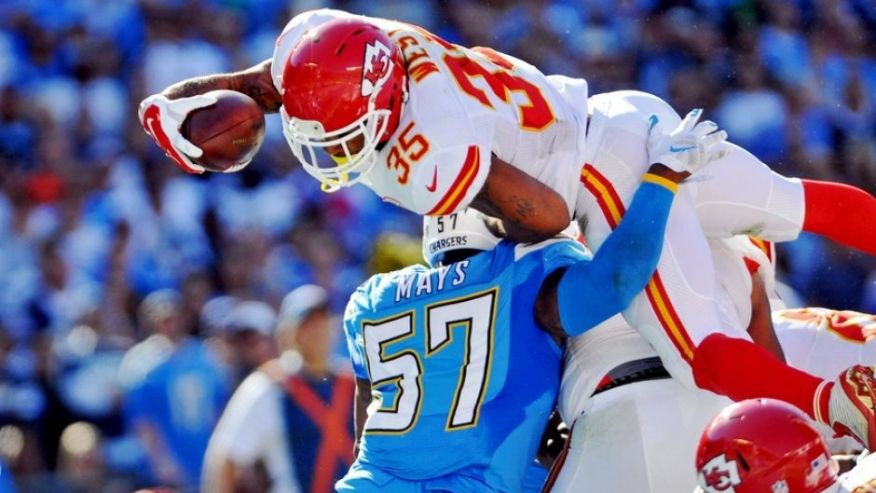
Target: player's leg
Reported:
point(739, 194)
point(677, 313)
point(842, 213)
point(605, 449)
point(679, 306)
point(701, 345)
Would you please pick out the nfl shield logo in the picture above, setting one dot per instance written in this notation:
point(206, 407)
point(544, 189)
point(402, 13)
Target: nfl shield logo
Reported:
point(780, 487)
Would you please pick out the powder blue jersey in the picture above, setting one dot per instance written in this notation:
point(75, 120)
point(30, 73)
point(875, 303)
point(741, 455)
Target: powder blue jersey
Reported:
point(463, 380)
point(182, 398)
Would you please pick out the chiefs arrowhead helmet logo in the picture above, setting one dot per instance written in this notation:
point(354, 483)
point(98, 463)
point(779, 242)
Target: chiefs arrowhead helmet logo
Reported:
point(719, 475)
point(716, 478)
point(375, 67)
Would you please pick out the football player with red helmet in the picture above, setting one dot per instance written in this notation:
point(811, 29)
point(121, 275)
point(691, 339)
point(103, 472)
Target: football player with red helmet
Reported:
point(763, 445)
point(354, 114)
point(611, 371)
point(436, 127)
point(342, 85)
point(768, 446)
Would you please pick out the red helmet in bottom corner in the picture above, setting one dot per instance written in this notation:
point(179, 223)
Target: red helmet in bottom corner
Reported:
point(763, 446)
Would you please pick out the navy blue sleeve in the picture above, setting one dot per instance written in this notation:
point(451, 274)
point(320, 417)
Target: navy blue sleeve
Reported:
point(591, 292)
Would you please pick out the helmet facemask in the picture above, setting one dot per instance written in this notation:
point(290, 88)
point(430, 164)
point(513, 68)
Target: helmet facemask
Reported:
point(306, 137)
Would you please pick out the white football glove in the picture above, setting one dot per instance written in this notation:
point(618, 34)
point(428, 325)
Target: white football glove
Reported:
point(162, 119)
point(689, 147)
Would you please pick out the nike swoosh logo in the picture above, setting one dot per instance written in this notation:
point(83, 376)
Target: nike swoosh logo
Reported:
point(155, 127)
point(681, 149)
point(154, 124)
point(434, 185)
point(150, 124)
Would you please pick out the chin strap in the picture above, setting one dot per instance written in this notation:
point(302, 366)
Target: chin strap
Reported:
point(330, 185)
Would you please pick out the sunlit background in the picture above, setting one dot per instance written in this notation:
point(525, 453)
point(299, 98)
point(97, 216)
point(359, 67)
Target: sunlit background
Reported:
point(93, 217)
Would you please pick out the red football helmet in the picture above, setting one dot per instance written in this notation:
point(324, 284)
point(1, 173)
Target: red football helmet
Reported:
point(344, 86)
point(763, 446)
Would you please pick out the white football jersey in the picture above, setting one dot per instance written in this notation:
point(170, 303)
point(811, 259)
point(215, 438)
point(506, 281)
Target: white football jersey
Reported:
point(736, 259)
point(825, 342)
point(464, 105)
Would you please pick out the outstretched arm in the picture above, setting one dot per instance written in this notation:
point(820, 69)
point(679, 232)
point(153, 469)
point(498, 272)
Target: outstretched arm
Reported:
point(577, 298)
point(162, 115)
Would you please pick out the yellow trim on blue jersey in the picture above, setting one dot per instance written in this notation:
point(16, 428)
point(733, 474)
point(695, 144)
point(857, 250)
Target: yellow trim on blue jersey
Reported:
point(662, 181)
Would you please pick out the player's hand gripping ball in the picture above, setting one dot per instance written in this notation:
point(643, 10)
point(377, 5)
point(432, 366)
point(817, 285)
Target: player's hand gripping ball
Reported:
point(216, 131)
point(229, 133)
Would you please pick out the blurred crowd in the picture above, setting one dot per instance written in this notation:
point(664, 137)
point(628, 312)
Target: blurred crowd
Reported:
point(94, 219)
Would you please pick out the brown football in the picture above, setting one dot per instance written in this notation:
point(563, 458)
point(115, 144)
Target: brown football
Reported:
point(229, 132)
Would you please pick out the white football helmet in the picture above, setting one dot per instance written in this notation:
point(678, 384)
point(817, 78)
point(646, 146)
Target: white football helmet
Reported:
point(466, 230)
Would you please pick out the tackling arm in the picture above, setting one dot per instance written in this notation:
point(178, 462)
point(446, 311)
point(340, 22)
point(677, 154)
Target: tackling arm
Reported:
point(577, 298)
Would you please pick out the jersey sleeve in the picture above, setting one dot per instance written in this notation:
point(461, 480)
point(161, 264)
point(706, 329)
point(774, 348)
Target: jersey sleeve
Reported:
point(353, 331)
point(450, 180)
point(293, 32)
point(551, 254)
point(459, 135)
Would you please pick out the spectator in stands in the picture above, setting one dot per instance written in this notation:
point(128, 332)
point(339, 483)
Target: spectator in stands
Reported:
point(250, 335)
point(176, 390)
point(91, 214)
point(292, 419)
